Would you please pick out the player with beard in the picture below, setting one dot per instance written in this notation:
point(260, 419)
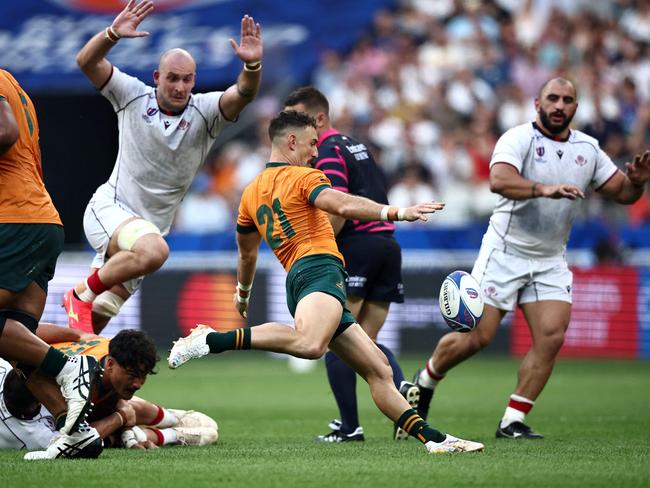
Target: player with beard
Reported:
point(540, 170)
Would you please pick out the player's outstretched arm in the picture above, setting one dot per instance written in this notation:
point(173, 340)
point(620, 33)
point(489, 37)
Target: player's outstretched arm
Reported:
point(8, 126)
point(248, 245)
point(92, 57)
point(627, 188)
point(52, 333)
point(506, 180)
point(249, 50)
point(360, 208)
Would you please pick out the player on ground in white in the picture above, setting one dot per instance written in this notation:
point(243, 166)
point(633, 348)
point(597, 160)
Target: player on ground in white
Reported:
point(539, 169)
point(164, 134)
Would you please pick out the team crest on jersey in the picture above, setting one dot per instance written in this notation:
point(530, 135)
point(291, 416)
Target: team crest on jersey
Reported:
point(151, 111)
point(183, 124)
point(540, 154)
point(581, 160)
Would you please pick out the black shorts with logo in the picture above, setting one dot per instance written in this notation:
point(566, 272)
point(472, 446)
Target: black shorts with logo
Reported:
point(374, 265)
point(28, 253)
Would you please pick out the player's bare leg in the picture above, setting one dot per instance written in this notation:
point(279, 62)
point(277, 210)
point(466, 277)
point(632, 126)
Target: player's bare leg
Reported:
point(18, 343)
point(135, 249)
point(371, 316)
point(452, 349)
point(317, 316)
point(359, 351)
point(548, 321)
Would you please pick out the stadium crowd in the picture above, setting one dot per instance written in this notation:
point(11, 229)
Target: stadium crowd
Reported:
point(432, 85)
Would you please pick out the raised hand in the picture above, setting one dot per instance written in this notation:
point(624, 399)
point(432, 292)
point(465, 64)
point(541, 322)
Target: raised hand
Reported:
point(249, 49)
point(638, 171)
point(127, 21)
point(560, 191)
point(420, 211)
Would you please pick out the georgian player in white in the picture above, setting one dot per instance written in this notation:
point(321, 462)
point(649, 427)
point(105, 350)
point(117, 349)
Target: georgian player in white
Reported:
point(22, 426)
point(539, 170)
point(164, 134)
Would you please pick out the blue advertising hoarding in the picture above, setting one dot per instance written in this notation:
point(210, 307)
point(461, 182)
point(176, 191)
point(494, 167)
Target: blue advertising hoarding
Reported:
point(39, 39)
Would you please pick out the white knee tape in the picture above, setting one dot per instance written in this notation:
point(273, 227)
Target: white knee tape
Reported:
point(132, 231)
point(108, 304)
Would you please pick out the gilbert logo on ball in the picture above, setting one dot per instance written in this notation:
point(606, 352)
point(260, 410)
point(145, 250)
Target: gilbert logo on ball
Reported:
point(461, 303)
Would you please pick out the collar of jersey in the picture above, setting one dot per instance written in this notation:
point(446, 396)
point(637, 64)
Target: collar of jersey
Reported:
point(538, 128)
point(275, 165)
point(325, 135)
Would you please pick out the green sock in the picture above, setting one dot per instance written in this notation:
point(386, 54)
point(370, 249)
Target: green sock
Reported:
point(228, 341)
point(412, 423)
point(53, 362)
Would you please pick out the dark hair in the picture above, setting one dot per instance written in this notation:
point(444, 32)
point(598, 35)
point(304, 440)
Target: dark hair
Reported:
point(310, 97)
point(289, 118)
point(134, 351)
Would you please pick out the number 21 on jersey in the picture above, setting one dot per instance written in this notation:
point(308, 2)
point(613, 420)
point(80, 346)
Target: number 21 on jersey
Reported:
point(267, 215)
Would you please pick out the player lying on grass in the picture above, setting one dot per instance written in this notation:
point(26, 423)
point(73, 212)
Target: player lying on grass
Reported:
point(120, 418)
point(288, 204)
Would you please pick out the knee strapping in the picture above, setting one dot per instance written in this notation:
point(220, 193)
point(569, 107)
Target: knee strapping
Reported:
point(134, 230)
point(27, 320)
point(108, 304)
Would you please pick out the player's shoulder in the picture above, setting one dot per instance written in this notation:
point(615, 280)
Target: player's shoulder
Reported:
point(579, 137)
point(524, 131)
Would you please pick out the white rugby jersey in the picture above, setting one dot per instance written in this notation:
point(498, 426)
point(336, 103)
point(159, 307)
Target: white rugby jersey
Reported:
point(540, 227)
point(15, 433)
point(159, 155)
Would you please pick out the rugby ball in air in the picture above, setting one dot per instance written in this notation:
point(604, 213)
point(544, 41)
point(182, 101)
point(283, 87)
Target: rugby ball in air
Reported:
point(461, 303)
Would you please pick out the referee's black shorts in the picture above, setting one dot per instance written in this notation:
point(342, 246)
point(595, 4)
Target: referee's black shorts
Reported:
point(374, 265)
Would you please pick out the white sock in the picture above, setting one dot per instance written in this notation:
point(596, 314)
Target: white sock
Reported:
point(516, 410)
point(429, 377)
point(87, 295)
point(169, 436)
point(167, 419)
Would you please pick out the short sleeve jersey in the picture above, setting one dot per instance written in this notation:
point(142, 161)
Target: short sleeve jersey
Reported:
point(350, 167)
point(159, 154)
point(278, 204)
point(98, 348)
point(15, 433)
point(23, 197)
point(540, 227)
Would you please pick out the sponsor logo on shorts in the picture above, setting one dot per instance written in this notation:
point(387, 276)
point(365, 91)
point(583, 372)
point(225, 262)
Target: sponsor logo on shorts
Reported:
point(339, 285)
point(357, 281)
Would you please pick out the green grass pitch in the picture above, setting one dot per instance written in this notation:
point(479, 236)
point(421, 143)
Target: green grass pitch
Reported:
point(595, 415)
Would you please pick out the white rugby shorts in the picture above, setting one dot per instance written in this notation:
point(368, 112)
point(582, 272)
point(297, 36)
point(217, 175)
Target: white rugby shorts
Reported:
point(102, 216)
point(508, 279)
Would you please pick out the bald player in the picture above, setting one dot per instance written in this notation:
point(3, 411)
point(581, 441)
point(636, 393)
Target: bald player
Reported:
point(540, 170)
point(164, 134)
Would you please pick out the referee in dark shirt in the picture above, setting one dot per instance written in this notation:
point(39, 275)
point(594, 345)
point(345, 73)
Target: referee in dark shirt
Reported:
point(373, 258)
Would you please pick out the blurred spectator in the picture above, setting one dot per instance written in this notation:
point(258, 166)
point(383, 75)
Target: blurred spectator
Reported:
point(412, 188)
point(202, 210)
point(434, 82)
